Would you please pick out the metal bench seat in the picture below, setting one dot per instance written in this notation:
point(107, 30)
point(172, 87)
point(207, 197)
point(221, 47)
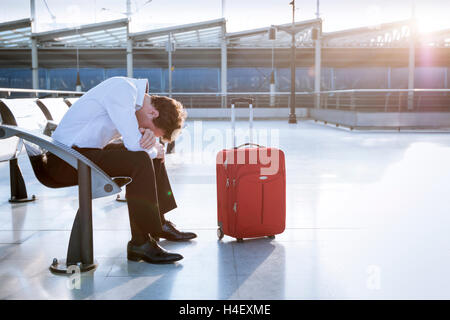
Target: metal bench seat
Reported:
point(24, 113)
point(92, 183)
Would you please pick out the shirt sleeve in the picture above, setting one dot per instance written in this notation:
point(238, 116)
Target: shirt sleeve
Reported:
point(120, 103)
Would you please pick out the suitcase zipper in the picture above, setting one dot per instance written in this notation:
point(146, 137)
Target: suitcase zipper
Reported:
point(262, 202)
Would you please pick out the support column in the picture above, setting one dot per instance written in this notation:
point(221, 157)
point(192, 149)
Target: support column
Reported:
point(292, 116)
point(446, 78)
point(317, 67)
point(389, 77)
point(130, 57)
point(169, 50)
point(272, 37)
point(332, 79)
point(129, 43)
point(34, 52)
point(34, 64)
point(223, 69)
point(78, 83)
point(272, 89)
point(411, 64)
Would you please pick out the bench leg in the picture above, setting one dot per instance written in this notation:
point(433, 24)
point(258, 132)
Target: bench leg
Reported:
point(81, 246)
point(18, 188)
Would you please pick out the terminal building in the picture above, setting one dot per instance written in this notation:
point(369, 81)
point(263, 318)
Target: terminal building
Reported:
point(364, 128)
point(202, 57)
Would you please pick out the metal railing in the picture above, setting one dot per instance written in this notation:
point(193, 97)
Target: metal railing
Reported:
point(365, 100)
point(261, 99)
point(387, 100)
point(32, 93)
point(376, 100)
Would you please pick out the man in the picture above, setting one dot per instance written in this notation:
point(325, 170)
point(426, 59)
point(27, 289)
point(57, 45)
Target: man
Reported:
point(121, 107)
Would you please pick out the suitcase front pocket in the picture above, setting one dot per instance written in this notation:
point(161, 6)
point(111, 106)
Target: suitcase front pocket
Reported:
point(248, 204)
point(260, 204)
point(274, 203)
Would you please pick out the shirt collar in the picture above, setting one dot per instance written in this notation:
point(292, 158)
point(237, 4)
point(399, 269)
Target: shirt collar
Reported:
point(142, 89)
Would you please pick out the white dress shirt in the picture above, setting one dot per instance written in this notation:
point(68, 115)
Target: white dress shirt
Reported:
point(105, 113)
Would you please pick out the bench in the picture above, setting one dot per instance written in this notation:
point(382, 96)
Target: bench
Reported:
point(24, 113)
point(93, 183)
point(38, 115)
point(42, 116)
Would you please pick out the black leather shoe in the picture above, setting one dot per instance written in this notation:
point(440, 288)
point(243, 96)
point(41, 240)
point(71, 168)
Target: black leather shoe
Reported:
point(172, 234)
point(151, 252)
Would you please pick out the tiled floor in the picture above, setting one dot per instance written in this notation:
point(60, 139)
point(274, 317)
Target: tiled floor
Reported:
point(367, 217)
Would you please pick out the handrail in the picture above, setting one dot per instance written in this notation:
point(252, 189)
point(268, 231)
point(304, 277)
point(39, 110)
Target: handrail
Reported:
point(234, 93)
point(218, 94)
point(307, 99)
point(36, 91)
point(380, 90)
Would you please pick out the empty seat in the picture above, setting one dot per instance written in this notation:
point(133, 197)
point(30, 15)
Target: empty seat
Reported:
point(56, 107)
point(26, 114)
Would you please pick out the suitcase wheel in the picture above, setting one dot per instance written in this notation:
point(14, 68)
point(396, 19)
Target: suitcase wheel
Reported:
point(239, 240)
point(271, 237)
point(220, 233)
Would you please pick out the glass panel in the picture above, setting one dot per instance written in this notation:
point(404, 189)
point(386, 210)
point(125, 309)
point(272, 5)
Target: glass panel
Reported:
point(360, 78)
point(429, 78)
point(248, 79)
point(154, 77)
point(195, 80)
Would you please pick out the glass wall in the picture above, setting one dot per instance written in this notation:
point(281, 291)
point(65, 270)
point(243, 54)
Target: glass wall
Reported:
point(360, 78)
point(16, 78)
point(194, 80)
point(239, 79)
point(430, 77)
point(248, 79)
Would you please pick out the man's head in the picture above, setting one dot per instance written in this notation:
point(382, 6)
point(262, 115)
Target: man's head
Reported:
point(163, 115)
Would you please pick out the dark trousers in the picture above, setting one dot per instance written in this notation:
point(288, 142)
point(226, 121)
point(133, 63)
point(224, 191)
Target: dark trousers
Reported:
point(149, 195)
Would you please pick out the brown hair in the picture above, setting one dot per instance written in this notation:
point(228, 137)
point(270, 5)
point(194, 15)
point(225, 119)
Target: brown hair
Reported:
point(171, 116)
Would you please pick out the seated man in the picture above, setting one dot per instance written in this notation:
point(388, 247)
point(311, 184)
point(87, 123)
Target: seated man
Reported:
point(117, 107)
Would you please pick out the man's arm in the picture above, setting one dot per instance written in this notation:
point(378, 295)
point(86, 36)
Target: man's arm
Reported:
point(120, 105)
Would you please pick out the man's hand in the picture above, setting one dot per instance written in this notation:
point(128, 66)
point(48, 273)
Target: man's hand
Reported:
point(160, 148)
point(148, 139)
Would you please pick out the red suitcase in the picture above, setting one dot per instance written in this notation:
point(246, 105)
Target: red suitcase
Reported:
point(251, 188)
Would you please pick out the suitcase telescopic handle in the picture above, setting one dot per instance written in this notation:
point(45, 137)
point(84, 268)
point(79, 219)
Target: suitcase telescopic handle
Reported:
point(249, 144)
point(233, 117)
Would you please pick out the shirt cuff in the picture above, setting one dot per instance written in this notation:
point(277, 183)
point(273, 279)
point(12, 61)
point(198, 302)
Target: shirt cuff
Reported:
point(152, 153)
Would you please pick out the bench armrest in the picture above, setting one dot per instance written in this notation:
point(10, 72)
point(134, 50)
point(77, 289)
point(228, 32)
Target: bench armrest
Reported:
point(102, 184)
